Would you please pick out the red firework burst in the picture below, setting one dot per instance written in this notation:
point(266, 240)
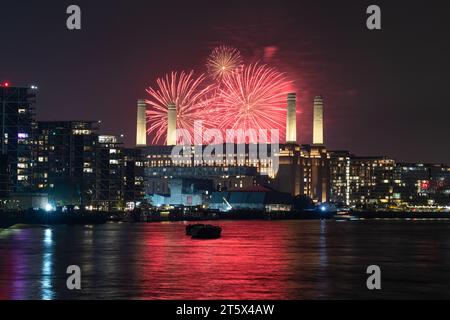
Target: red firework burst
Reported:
point(188, 94)
point(254, 98)
point(223, 61)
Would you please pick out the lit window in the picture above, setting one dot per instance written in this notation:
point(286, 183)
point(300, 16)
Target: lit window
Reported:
point(81, 132)
point(22, 135)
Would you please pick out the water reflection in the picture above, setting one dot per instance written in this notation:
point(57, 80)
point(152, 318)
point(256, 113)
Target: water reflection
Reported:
point(253, 260)
point(14, 262)
point(47, 292)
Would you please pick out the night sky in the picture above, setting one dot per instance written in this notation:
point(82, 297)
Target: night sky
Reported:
point(386, 92)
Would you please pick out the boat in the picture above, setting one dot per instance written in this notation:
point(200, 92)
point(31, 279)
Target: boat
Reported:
point(205, 231)
point(191, 227)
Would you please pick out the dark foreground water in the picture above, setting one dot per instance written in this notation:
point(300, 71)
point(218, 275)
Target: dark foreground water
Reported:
point(253, 260)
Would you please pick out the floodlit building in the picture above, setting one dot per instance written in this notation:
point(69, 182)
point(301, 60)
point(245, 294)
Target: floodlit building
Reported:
point(302, 170)
point(287, 168)
point(266, 201)
point(141, 124)
point(171, 124)
point(185, 192)
point(291, 119)
point(318, 121)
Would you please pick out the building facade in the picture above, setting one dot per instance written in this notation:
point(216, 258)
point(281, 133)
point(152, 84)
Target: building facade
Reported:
point(361, 181)
point(133, 175)
point(302, 170)
point(418, 184)
point(65, 160)
point(340, 162)
point(16, 125)
point(77, 166)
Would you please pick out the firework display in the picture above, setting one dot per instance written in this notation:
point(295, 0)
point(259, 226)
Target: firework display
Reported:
point(223, 61)
point(254, 99)
point(237, 96)
point(189, 97)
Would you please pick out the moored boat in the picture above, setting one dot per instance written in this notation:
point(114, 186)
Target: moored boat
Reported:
point(190, 228)
point(206, 232)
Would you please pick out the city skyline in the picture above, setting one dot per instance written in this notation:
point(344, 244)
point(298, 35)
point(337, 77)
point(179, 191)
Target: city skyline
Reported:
point(392, 114)
point(239, 154)
point(139, 129)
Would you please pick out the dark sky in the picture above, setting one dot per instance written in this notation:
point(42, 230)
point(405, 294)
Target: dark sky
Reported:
point(386, 92)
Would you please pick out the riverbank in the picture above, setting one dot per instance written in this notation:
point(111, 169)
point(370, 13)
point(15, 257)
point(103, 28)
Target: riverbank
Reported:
point(89, 218)
point(401, 215)
point(300, 215)
point(8, 219)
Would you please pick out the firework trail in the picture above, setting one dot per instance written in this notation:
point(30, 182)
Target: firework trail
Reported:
point(190, 96)
point(223, 61)
point(254, 98)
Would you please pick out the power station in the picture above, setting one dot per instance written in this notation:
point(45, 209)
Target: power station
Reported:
point(303, 169)
point(141, 125)
point(291, 119)
point(171, 124)
point(318, 121)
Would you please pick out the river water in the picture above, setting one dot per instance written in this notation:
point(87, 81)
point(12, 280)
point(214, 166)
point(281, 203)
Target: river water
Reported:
point(296, 259)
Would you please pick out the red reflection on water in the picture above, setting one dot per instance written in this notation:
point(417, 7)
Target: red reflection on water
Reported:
point(250, 261)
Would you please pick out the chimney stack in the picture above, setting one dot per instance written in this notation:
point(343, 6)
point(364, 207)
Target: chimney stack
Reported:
point(291, 119)
point(318, 121)
point(141, 124)
point(171, 124)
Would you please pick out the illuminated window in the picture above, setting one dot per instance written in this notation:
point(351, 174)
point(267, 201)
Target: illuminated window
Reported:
point(81, 132)
point(22, 135)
